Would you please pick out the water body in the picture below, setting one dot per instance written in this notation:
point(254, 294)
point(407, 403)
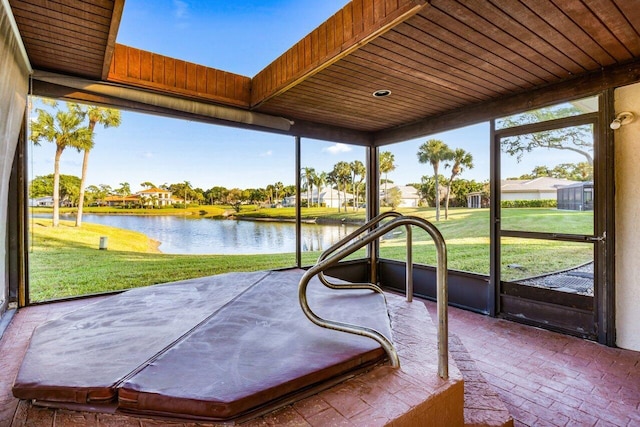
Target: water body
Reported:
point(188, 235)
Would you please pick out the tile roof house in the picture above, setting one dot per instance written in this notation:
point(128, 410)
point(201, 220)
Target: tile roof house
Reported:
point(532, 189)
point(409, 196)
point(150, 197)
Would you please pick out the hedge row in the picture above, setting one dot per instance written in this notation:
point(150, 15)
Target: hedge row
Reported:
point(541, 203)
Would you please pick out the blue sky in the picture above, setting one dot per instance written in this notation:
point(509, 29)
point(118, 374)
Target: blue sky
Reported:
point(241, 37)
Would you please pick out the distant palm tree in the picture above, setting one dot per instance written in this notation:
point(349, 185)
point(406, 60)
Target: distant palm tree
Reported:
point(269, 190)
point(107, 117)
point(460, 158)
point(331, 180)
point(387, 164)
point(357, 170)
point(435, 151)
point(308, 175)
point(342, 172)
point(319, 180)
point(64, 130)
point(187, 189)
point(124, 191)
point(153, 199)
point(278, 187)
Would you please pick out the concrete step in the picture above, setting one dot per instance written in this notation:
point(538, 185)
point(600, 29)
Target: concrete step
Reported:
point(482, 405)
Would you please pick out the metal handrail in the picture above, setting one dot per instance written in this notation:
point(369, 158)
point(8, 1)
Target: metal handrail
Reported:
point(441, 285)
point(349, 237)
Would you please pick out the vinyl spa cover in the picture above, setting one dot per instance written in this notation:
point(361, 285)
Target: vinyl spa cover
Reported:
point(216, 348)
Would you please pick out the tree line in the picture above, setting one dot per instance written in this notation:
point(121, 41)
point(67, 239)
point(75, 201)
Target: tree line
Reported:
point(74, 128)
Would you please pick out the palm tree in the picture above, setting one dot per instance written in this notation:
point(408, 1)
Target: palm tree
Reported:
point(147, 184)
point(331, 180)
point(319, 180)
point(460, 158)
point(124, 191)
point(357, 170)
point(387, 164)
point(342, 173)
point(64, 130)
point(187, 189)
point(153, 200)
point(269, 190)
point(308, 175)
point(107, 117)
point(278, 187)
point(435, 151)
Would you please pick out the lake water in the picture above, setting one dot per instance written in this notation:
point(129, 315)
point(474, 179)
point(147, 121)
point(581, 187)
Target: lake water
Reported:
point(188, 235)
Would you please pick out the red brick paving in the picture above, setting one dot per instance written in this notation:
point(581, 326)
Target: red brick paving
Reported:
point(543, 378)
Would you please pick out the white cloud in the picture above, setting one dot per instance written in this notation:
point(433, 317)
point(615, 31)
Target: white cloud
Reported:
point(147, 154)
point(337, 148)
point(181, 9)
point(266, 153)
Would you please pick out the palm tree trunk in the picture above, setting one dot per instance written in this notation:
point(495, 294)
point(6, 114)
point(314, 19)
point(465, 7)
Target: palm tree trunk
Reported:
point(56, 188)
point(446, 201)
point(385, 186)
point(344, 192)
point(83, 180)
point(353, 186)
point(435, 170)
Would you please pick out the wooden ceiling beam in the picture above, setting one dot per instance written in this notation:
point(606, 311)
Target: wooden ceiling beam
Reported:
point(301, 128)
point(352, 27)
point(116, 17)
point(143, 69)
point(585, 85)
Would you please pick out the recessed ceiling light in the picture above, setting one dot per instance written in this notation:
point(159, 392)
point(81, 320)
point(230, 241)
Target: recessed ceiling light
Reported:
point(381, 93)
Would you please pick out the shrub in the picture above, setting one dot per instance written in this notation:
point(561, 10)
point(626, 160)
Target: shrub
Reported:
point(539, 203)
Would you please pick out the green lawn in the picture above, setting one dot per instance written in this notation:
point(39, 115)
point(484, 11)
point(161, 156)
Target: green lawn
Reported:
point(66, 261)
point(467, 236)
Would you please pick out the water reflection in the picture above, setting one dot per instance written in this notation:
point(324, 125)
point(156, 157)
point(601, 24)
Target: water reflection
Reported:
point(184, 235)
point(320, 237)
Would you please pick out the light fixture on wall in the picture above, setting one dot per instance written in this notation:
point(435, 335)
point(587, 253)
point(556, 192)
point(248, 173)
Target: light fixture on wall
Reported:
point(623, 118)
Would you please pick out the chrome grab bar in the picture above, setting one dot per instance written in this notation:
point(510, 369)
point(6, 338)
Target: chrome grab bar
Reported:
point(327, 260)
point(349, 237)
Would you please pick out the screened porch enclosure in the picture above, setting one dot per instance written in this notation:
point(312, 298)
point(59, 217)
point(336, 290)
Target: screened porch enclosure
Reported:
point(446, 64)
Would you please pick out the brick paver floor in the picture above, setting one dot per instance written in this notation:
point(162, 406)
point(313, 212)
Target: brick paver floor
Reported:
point(549, 379)
point(544, 378)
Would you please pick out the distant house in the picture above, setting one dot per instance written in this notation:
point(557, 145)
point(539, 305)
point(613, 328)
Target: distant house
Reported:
point(542, 188)
point(116, 200)
point(47, 202)
point(39, 202)
point(331, 198)
point(156, 197)
point(326, 196)
point(532, 189)
point(409, 196)
point(290, 201)
point(149, 197)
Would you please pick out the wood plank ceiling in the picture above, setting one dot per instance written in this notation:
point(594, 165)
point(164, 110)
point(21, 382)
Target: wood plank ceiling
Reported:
point(453, 54)
point(69, 36)
point(438, 58)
